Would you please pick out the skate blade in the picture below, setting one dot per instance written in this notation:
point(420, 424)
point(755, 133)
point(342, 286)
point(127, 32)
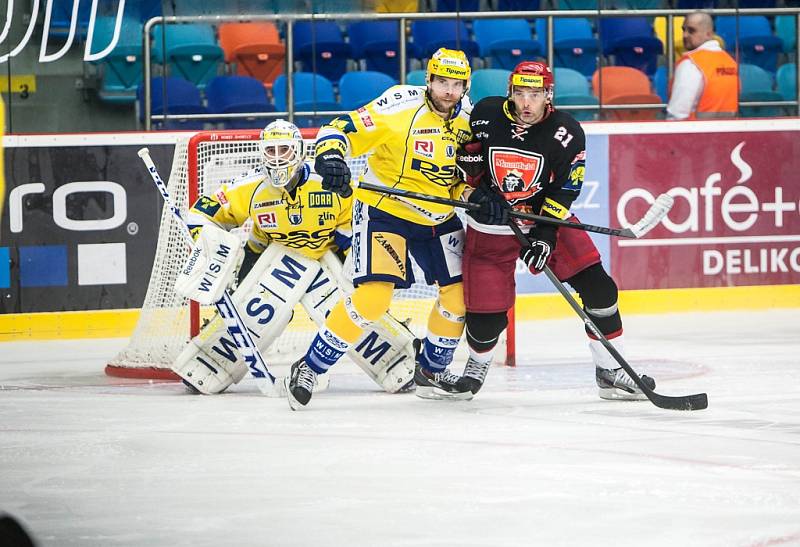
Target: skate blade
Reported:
point(294, 404)
point(614, 394)
point(432, 393)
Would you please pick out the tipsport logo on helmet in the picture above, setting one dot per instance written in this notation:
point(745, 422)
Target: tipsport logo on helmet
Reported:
point(528, 80)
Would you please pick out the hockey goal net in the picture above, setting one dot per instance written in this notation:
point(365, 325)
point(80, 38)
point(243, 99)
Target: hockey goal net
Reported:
point(167, 321)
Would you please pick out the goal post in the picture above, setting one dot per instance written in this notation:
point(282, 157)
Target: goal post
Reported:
point(167, 321)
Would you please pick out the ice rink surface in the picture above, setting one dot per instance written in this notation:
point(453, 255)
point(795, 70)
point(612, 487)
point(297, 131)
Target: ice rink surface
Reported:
point(535, 459)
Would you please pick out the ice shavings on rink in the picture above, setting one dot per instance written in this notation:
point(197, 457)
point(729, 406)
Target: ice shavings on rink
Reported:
point(535, 459)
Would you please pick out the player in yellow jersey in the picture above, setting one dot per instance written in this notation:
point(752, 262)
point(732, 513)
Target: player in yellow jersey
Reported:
point(411, 133)
point(293, 255)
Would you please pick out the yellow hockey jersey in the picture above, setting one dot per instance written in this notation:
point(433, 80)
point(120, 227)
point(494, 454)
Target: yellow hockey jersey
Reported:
point(410, 146)
point(311, 223)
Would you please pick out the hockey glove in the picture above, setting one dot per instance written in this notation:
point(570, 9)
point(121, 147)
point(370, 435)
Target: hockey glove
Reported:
point(541, 244)
point(335, 174)
point(470, 164)
point(494, 208)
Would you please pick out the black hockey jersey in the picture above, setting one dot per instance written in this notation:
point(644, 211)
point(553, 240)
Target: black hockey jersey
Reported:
point(539, 168)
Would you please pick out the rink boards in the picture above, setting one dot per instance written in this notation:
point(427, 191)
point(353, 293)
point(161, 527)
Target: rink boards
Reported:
point(80, 225)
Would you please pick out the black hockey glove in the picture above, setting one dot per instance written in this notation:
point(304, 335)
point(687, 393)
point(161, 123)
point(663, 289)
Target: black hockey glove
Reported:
point(541, 244)
point(494, 208)
point(470, 164)
point(335, 174)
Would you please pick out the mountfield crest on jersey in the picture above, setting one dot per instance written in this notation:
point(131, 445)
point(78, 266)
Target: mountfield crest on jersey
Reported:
point(517, 172)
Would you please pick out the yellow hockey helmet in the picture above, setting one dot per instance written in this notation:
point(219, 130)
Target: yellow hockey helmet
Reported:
point(448, 63)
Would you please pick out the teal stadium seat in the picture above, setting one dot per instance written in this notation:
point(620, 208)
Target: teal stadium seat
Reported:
point(415, 77)
point(189, 51)
point(757, 44)
point(572, 88)
point(786, 29)
point(312, 92)
point(120, 70)
point(487, 82)
point(757, 85)
point(358, 88)
point(787, 81)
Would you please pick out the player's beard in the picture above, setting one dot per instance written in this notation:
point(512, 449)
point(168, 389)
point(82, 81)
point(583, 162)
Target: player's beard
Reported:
point(444, 106)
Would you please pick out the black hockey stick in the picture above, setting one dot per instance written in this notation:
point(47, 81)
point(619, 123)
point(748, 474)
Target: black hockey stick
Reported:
point(684, 402)
point(652, 217)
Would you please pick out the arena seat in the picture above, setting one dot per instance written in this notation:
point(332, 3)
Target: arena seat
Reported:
point(358, 88)
point(61, 18)
point(321, 48)
point(120, 70)
point(238, 94)
point(757, 44)
point(786, 30)
point(574, 100)
point(632, 114)
point(574, 43)
point(615, 85)
point(506, 42)
point(378, 43)
point(311, 92)
point(173, 96)
point(572, 88)
point(189, 51)
point(415, 77)
point(757, 85)
point(431, 34)
point(255, 48)
point(632, 43)
point(661, 83)
point(787, 81)
point(517, 5)
point(457, 5)
point(487, 82)
point(660, 28)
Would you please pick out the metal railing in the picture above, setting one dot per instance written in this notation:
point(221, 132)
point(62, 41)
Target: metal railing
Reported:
point(404, 18)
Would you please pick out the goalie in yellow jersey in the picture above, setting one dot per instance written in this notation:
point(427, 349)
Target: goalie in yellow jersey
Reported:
point(293, 255)
point(411, 134)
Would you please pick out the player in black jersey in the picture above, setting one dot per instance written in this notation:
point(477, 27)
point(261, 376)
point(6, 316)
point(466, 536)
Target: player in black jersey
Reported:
point(528, 156)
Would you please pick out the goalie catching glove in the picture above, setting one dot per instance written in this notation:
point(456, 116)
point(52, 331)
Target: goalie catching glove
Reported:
point(211, 265)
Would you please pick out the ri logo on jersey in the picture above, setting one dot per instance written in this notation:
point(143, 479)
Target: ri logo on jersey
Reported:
point(516, 172)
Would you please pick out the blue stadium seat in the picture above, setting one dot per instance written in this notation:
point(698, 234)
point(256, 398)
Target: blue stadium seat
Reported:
point(182, 97)
point(311, 92)
point(661, 83)
point(415, 77)
point(190, 51)
point(378, 42)
point(358, 88)
point(639, 4)
point(696, 4)
point(61, 18)
point(320, 47)
point(143, 9)
point(757, 44)
point(787, 81)
point(237, 94)
point(506, 42)
point(786, 29)
point(458, 5)
point(632, 43)
point(121, 69)
point(431, 34)
point(487, 82)
point(574, 44)
point(757, 85)
point(517, 5)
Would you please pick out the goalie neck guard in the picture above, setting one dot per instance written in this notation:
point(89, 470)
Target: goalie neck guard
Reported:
point(284, 153)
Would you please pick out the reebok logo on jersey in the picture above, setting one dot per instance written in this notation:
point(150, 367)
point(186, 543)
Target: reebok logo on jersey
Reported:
point(517, 172)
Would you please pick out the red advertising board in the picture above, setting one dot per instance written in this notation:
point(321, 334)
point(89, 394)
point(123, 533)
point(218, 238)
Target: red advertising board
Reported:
point(736, 218)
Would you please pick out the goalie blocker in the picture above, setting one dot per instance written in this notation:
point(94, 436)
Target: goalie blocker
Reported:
point(266, 297)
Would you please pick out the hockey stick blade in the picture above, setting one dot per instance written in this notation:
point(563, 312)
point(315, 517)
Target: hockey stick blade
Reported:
point(226, 309)
point(641, 226)
point(653, 216)
point(685, 402)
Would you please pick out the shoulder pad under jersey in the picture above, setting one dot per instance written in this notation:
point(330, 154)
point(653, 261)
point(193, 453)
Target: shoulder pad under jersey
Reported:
point(253, 175)
point(398, 98)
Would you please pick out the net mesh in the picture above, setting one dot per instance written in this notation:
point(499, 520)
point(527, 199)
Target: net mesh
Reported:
point(200, 164)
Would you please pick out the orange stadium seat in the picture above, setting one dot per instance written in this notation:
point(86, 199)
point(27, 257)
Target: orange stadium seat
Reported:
point(625, 85)
point(255, 48)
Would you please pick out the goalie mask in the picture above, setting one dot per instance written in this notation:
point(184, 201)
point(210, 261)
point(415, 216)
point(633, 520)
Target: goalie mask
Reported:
point(283, 151)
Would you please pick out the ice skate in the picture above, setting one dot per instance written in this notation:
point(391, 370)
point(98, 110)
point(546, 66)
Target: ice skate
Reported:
point(300, 384)
point(474, 376)
point(615, 384)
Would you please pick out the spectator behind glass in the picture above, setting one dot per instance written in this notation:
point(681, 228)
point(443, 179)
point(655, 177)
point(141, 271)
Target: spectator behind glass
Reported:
point(706, 82)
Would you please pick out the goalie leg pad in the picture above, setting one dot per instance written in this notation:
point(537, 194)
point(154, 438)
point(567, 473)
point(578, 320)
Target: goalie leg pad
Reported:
point(266, 300)
point(384, 351)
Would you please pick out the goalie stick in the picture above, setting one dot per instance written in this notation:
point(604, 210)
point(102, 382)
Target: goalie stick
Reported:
point(237, 330)
point(651, 218)
point(683, 402)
